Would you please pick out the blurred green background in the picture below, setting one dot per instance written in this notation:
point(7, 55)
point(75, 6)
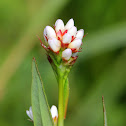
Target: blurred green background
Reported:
point(99, 70)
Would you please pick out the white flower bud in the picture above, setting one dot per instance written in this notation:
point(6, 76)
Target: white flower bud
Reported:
point(54, 112)
point(69, 24)
point(59, 25)
point(29, 113)
point(66, 54)
point(72, 31)
point(67, 38)
point(54, 44)
point(75, 44)
point(49, 32)
point(80, 34)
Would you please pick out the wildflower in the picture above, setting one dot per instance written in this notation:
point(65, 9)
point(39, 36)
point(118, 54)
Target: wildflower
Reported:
point(29, 113)
point(63, 41)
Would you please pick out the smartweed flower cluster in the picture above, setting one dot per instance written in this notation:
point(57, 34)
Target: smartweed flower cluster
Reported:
point(64, 40)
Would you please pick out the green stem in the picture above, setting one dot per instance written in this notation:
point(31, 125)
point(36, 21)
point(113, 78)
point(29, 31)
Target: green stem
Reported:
point(60, 105)
point(66, 96)
point(55, 124)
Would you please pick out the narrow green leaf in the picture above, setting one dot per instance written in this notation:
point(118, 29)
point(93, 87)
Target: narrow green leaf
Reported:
point(104, 111)
point(40, 107)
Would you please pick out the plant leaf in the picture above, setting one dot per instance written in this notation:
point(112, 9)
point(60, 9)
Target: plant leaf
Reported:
point(40, 107)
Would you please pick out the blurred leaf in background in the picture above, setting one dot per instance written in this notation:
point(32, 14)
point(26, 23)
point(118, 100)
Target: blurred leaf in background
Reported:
point(99, 70)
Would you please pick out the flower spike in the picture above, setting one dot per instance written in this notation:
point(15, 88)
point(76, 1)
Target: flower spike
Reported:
point(63, 41)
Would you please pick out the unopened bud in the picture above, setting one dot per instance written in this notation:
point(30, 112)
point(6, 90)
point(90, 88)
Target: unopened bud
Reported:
point(80, 34)
point(75, 45)
point(59, 25)
point(54, 44)
point(72, 31)
point(29, 113)
point(54, 112)
point(67, 38)
point(49, 32)
point(66, 54)
point(69, 24)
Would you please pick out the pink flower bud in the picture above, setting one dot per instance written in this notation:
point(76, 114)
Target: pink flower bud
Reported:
point(66, 54)
point(67, 38)
point(75, 45)
point(80, 34)
point(54, 44)
point(69, 24)
point(72, 31)
point(49, 32)
point(59, 25)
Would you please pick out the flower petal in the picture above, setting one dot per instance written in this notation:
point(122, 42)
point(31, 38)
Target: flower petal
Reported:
point(72, 31)
point(54, 44)
point(75, 44)
point(27, 112)
point(30, 112)
point(67, 38)
point(80, 34)
point(69, 24)
point(59, 25)
point(49, 31)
